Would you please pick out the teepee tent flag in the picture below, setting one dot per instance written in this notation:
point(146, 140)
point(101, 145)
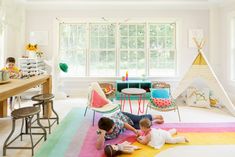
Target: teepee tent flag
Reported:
point(201, 69)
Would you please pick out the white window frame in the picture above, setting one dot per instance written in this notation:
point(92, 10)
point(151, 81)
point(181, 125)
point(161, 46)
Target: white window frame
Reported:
point(98, 49)
point(175, 49)
point(129, 49)
point(117, 54)
point(80, 49)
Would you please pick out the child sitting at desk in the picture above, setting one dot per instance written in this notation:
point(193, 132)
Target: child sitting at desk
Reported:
point(14, 73)
point(11, 68)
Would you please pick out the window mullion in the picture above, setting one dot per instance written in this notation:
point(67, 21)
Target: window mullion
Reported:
point(88, 49)
point(117, 40)
point(147, 49)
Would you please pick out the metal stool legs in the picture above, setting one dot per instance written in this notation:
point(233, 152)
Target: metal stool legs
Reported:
point(42, 104)
point(52, 108)
point(40, 125)
point(28, 130)
point(93, 121)
point(85, 111)
point(8, 138)
point(30, 134)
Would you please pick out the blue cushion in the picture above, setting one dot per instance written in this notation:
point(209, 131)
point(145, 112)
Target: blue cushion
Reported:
point(160, 92)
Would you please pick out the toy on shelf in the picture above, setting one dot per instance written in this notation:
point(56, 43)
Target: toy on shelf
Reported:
point(123, 78)
point(32, 47)
point(143, 77)
point(126, 75)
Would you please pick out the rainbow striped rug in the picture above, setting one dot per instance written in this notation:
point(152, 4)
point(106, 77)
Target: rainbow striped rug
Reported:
point(67, 138)
point(75, 137)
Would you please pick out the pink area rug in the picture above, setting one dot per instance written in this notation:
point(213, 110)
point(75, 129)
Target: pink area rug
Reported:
point(88, 148)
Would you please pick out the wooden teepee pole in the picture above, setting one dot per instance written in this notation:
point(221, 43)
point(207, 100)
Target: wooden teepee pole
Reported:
point(199, 45)
point(199, 60)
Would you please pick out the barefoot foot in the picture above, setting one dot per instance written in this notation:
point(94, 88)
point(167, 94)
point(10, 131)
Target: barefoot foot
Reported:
point(159, 121)
point(186, 140)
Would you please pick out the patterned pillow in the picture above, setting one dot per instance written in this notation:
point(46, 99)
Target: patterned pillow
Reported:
point(97, 100)
point(161, 102)
point(198, 97)
point(160, 93)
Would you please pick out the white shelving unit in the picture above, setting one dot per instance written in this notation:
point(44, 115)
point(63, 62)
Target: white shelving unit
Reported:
point(32, 66)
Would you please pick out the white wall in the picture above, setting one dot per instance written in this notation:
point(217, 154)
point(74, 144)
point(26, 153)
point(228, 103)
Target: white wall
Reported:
point(188, 19)
point(13, 27)
point(223, 47)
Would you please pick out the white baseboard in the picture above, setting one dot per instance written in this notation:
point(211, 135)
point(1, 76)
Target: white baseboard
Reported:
point(76, 92)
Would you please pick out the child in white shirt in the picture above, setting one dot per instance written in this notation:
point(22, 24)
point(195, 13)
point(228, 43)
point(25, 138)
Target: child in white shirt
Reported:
point(156, 138)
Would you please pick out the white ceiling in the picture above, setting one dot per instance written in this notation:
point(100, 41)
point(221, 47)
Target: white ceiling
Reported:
point(123, 1)
point(118, 0)
point(137, 4)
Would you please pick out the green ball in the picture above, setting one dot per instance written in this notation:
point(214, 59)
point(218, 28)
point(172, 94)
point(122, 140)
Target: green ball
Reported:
point(63, 67)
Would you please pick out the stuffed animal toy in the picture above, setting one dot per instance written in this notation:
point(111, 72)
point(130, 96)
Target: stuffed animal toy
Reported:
point(32, 47)
point(117, 149)
point(108, 89)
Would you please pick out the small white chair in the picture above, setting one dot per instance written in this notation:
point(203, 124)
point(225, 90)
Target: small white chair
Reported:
point(108, 108)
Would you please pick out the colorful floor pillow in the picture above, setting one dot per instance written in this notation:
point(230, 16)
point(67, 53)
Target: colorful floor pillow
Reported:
point(97, 100)
point(161, 102)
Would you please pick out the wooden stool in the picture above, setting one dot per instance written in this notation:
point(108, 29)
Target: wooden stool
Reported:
point(43, 100)
point(27, 114)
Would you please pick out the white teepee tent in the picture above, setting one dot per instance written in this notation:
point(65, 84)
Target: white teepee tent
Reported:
point(201, 68)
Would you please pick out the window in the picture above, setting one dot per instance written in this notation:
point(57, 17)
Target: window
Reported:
point(162, 46)
point(233, 49)
point(102, 50)
point(111, 49)
point(72, 48)
point(132, 49)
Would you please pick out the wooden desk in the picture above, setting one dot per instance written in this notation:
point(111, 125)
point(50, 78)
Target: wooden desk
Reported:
point(17, 86)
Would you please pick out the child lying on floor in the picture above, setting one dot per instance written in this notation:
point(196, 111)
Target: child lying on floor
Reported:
point(156, 138)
